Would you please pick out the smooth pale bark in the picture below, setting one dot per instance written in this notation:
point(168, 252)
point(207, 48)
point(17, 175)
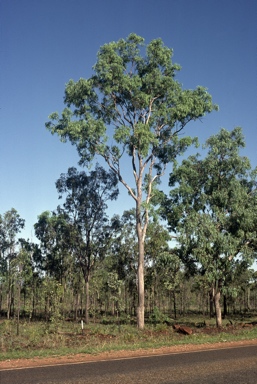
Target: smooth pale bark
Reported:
point(218, 309)
point(141, 286)
point(141, 226)
point(216, 294)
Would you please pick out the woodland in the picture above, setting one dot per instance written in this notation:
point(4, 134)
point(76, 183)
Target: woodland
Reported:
point(190, 248)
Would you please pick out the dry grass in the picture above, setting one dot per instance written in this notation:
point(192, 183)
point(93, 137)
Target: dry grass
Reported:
point(41, 339)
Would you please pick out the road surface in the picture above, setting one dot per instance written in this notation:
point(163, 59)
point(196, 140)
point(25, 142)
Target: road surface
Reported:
point(227, 366)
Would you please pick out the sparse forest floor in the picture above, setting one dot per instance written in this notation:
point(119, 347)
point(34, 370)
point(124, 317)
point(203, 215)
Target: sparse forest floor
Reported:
point(42, 343)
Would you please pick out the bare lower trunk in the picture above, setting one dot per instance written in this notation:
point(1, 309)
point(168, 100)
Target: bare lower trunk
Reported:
point(141, 288)
point(18, 309)
point(218, 309)
point(87, 301)
point(141, 227)
point(216, 300)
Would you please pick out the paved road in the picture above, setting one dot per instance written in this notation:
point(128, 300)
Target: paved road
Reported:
point(226, 366)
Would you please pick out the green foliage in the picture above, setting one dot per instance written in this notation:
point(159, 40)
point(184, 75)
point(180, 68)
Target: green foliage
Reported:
point(10, 225)
point(55, 235)
point(84, 212)
point(114, 285)
point(133, 99)
point(214, 205)
point(169, 268)
point(53, 293)
point(212, 208)
point(158, 317)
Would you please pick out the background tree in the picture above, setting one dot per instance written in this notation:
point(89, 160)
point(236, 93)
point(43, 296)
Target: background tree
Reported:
point(85, 205)
point(10, 225)
point(23, 275)
point(156, 245)
point(29, 275)
point(169, 271)
point(55, 260)
point(123, 256)
point(132, 105)
point(212, 208)
point(54, 232)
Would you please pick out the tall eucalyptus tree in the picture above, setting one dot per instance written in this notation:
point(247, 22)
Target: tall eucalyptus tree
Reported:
point(131, 106)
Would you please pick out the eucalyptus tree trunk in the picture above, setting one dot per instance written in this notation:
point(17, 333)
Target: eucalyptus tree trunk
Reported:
point(87, 300)
point(86, 272)
point(140, 278)
point(216, 294)
point(18, 307)
point(141, 225)
point(218, 309)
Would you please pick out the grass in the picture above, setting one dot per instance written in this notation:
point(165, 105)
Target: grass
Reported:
point(65, 338)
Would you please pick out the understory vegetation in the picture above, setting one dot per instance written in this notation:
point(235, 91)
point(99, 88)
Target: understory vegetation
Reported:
point(41, 339)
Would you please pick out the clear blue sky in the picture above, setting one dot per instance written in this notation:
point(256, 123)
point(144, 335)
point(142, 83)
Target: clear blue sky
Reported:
point(44, 43)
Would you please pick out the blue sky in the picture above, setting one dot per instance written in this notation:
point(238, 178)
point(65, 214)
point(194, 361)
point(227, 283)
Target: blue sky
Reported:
point(44, 43)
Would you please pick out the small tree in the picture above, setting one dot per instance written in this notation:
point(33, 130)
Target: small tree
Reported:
point(54, 232)
point(123, 255)
point(10, 225)
point(133, 106)
point(213, 209)
point(85, 210)
point(28, 273)
point(169, 270)
point(156, 245)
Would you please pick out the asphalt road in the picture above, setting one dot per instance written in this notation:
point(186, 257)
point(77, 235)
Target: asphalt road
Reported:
point(225, 366)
